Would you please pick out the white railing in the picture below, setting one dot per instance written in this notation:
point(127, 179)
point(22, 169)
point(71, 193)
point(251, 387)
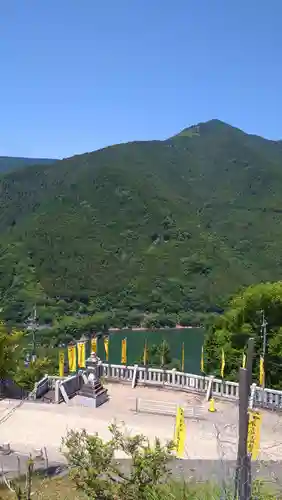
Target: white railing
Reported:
point(168, 408)
point(156, 376)
point(267, 398)
point(225, 389)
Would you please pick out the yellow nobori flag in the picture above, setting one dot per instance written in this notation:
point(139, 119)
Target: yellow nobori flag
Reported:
point(202, 360)
point(261, 371)
point(244, 359)
point(81, 354)
point(222, 363)
point(61, 363)
point(106, 347)
point(180, 432)
point(182, 357)
point(123, 351)
point(94, 345)
point(145, 354)
point(254, 429)
point(72, 358)
point(163, 353)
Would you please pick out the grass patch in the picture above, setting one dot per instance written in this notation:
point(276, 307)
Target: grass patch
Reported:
point(48, 489)
point(64, 489)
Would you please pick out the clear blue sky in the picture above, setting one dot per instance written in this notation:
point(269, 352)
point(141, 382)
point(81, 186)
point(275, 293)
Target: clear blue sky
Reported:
point(77, 75)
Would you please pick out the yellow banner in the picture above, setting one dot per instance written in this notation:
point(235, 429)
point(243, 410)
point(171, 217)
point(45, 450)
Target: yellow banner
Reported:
point(254, 434)
point(261, 371)
point(180, 432)
point(61, 363)
point(81, 354)
point(182, 358)
point(94, 345)
point(244, 360)
point(163, 353)
point(145, 354)
point(202, 360)
point(222, 363)
point(106, 346)
point(176, 427)
point(123, 352)
point(72, 358)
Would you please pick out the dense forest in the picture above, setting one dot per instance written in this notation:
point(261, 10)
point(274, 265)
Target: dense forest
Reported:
point(149, 232)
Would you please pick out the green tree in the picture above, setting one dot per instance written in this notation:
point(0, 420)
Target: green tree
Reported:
point(69, 328)
point(241, 320)
point(99, 476)
point(158, 355)
point(10, 341)
point(161, 320)
point(26, 377)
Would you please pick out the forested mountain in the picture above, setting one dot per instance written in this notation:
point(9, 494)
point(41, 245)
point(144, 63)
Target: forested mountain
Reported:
point(9, 163)
point(157, 226)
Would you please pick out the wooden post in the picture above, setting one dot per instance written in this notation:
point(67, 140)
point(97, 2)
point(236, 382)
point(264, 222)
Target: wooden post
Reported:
point(243, 486)
point(243, 479)
point(250, 355)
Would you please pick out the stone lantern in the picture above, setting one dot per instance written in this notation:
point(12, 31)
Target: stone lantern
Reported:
point(93, 388)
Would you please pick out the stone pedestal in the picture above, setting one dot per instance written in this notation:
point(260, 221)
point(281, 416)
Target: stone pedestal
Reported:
point(93, 388)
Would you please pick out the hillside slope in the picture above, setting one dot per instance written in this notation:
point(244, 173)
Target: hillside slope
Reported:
point(155, 226)
point(10, 163)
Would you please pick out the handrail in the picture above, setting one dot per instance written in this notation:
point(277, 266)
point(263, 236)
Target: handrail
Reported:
point(209, 385)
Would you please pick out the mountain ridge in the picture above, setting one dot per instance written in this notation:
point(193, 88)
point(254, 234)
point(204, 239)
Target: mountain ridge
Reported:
point(11, 163)
point(214, 122)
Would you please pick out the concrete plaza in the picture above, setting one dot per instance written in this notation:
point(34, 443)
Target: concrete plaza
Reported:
point(32, 426)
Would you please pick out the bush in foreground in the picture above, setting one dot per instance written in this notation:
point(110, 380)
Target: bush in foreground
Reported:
point(95, 471)
point(143, 474)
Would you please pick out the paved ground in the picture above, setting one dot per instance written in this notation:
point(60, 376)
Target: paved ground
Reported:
point(212, 439)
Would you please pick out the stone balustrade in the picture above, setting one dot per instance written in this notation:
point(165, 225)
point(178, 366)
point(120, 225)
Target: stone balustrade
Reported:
point(265, 398)
point(268, 398)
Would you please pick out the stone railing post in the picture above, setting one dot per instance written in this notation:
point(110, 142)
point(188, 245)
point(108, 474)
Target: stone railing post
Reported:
point(137, 405)
point(64, 393)
point(252, 396)
point(35, 390)
point(134, 378)
point(209, 389)
point(173, 376)
point(57, 391)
